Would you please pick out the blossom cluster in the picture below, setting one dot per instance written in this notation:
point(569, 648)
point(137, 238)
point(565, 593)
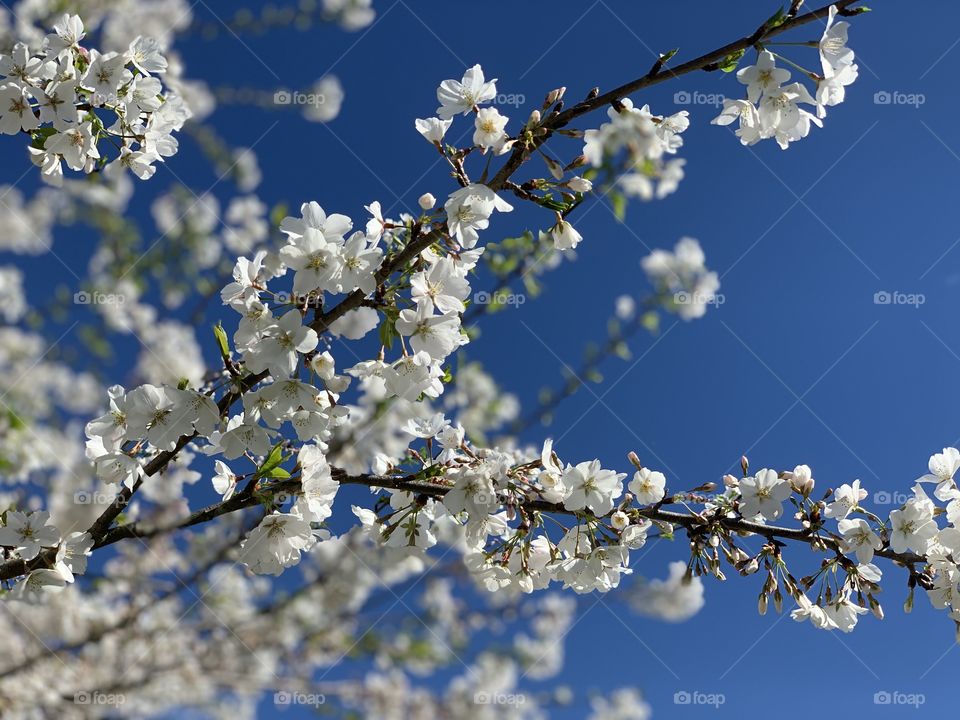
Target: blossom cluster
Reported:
point(75, 101)
point(773, 109)
point(27, 534)
point(470, 209)
point(682, 278)
point(410, 279)
point(648, 142)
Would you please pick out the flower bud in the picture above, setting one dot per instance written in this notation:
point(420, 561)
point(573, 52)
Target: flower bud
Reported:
point(801, 480)
point(553, 96)
point(579, 184)
point(427, 201)
point(731, 482)
point(619, 520)
point(635, 460)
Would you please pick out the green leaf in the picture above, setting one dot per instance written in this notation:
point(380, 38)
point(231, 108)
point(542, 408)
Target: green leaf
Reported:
point(665, 57)
point(272, 461)
point(277, 473)
point(278, 213)
point(729, 63)
point(387, 333)
point(221, 335)
point(777, 19)
point(15, 421)
point(650, 321)
point(619, 201)
point(39, 136)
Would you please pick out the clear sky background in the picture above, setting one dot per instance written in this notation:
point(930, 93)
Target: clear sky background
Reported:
point(799, 365)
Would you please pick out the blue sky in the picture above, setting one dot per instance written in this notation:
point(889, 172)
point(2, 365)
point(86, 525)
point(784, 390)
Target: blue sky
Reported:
point(799, 365)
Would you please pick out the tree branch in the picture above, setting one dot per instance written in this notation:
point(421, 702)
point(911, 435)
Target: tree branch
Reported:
point(657, 75)
point(419, 242)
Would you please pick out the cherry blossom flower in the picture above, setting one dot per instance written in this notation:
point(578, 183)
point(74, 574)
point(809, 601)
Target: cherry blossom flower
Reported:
point(426, 427)
point(241, 436)
point(316, 260)
point(912, 526)
point(443, 285)
point(361, 259)
point(490, 126)
point(67, 33)
point(832, 90)
point(433, 129)
point(436, 335)
point(746, 113)
point(278, 347)
point(106, 73)
point(591, 487)
point(763, 494)
point(469, 210)
point(75, 145)
point(224, 481)
point(413, 375)
point(473, 492)
point(276, 543)
point(648, 486)
point(462, 97)
point(858, 537)
point(248, 278)
point(16, 114)
point(806, 610)
point(332, 227)
point(834, 53)
point(943, 466)
point(28, 533)
point(146, 55)
point(317, 484)
point(764, 77)
point(564, 236)
point(845, 499)
point(843, 613)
